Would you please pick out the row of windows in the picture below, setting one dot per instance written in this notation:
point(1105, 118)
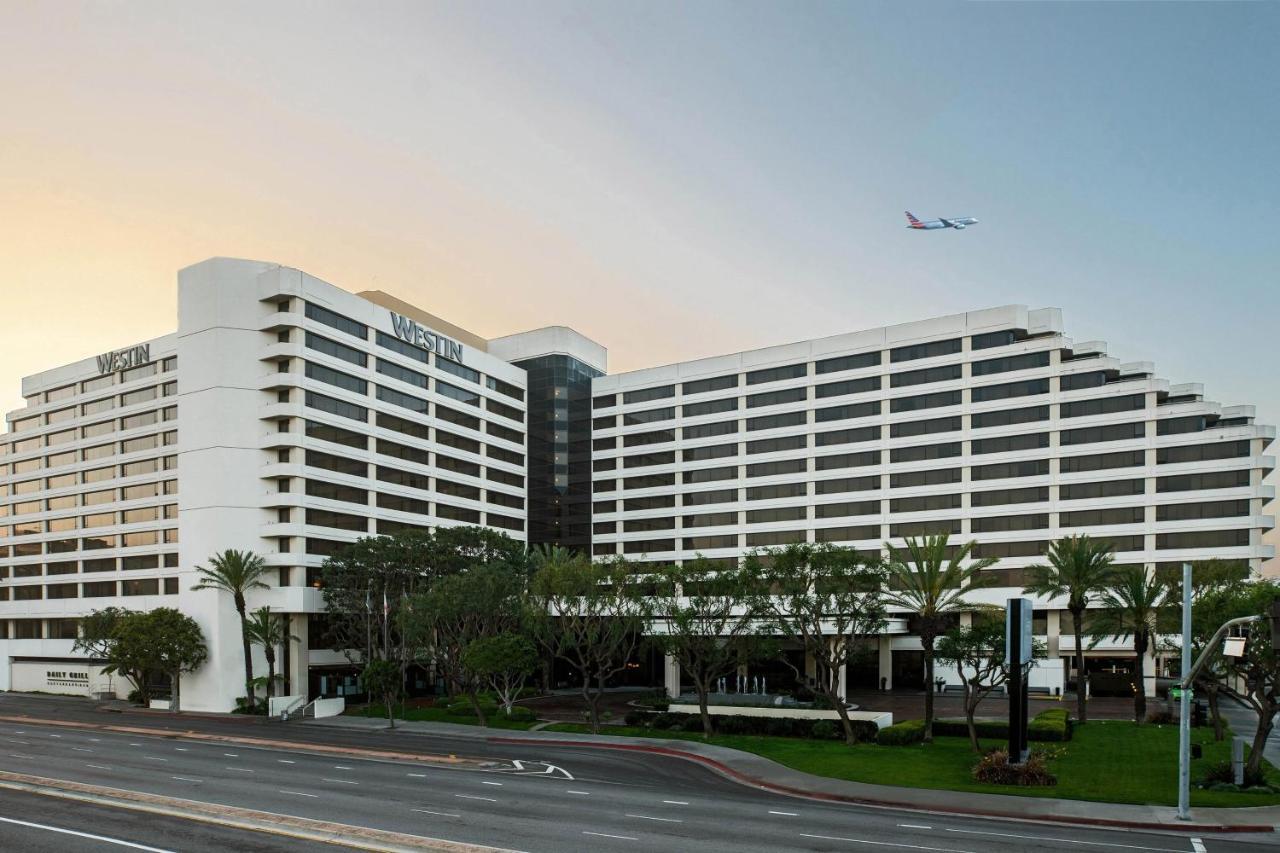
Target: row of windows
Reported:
point(135, 492)
point(90, 543)
point(137, 515)
point(90, 454)
point(872, 533)
point(88, 386)
point(92, 475)
point(106, 427)
point(89, 589)
point(395, 476)
point(129, 563)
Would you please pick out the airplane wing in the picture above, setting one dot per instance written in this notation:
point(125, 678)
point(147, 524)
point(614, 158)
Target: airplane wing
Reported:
point(946, 222)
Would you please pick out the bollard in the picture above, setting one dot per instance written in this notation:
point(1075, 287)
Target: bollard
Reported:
point(1237, 760)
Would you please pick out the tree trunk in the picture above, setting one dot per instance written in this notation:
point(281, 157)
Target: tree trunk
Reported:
point(971, 700)
point(703, 689)
point(1266, 721)
point(175, 700)
point(587, 696)
point(388, 698)
point(1082, 687)
point(1140, 695)
point(927, 643)
point(249, 698)
point(1215, 712)
point(475, 704)
point(271, 673)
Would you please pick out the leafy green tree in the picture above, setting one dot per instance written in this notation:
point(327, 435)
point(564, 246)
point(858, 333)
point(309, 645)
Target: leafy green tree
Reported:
point(825, 598)
point(236, 572)
point(100, 634)
point(977, 653)
point(1134, 604)
point(928, 577)
point(1078, 570)
point(503, 661)
point(271, 631)
point(1259, 666)
point(383, 679)
point(702, 618)
point(590, 615)
point(173, 643)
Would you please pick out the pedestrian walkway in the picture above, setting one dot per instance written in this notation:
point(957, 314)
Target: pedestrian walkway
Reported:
point(761, 772)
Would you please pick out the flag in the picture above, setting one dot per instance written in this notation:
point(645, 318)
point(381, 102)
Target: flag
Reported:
point(368, 605)
point(386, 608)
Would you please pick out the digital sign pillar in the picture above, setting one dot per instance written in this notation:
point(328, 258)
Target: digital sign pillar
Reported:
point(1017, 654)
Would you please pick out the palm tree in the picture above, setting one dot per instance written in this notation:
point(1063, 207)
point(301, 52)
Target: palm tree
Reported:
point(1078, 570)
point(928, 580)
point(269, 630)
point(1132, 604)
point(236, 572)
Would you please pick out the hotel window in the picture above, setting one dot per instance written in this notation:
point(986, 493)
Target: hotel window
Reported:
point(933, 426)
point(458, 370)
point(710, 519)
point(404, 348)
point(453, 513)
point(1175, 426)
point(1079, 381)
point(1093, 435)
point(715, 451)
point(1003, 523)
point(847, 534)
point(1007, 390)
point(143, 466)
point(645, 395)
point(60, 415)
point(1102, 517)
point(102, 496)
point(337, 350)
point(503, 455)
point(709, 475)
point(640, 439)
point(458, 490)
point(1009, 417)
point(648, 417)
point(1210, 509)
point(704, 386)
point(140, 562)
point(774, 537)
point(100, 519)
point(1202, 452)
point(448, 439)
point(847, 436)
point(718, 496)
point(340, 464)
point(776, 514)
point(1203, 539)
point(649, 481)
point(847, 362)
point(1208, 480)
point(64, 502)
point(935, 477)
point(336, 378)
point(645, 460)
point(924, 452)
point(61, 437)
point(849, 508)
point(336, 321)
point(645, 525)
point(787, 466)
point(63, 590)
point(606, 422)
point(786, 419)
point(337, 520)
point(499, 431)
point(846, 484)
point(775, 445)
point(1001, 497)
point(929, 350)
point(709, 543)
point(777, 374)
point(97, 543)
point(399, 477)
point(458, 466)
point(636, 504)
point(992, 339)
point(504, 410)
point(925, 528)
point(604, 401)
point(847, 412)
point(925, 401)
point(462, 395)
point(93, 407)
point(139, 420)
point(778, 491)
point(926, 375)
point(505, 388)
point(134, 445)
point(1103, 406)
point(60, 482)
point(1004, 470)
point(399, 503)
point(391, 422)
point(1107, 489)
point(777, 398)
point(338, 435)
point(454, 416)
point(923, 503)
point(504, 477)
point(144, 537)
point(1102, 461)
point(1010, 363)
point(504, 499)
point(1010, 443)
point(140, 586)
point(340, 408)
point(141, 395)
point(848, 386)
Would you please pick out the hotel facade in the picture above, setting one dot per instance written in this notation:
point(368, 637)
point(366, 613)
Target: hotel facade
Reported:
point(288, 416)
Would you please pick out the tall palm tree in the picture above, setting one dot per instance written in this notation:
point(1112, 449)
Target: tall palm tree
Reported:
point(236, 572)
point(1132, 605)
point(930, 578)
point(269, 630)
point(1078, 570)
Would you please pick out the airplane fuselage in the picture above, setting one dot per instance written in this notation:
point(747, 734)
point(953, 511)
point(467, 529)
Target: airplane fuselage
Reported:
point(959, 223)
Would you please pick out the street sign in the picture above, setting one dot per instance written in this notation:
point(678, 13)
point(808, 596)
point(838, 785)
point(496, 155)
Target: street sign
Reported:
point(1020, 633)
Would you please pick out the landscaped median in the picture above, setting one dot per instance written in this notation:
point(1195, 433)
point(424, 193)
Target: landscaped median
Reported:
point(1104, 761)
point(459, 711)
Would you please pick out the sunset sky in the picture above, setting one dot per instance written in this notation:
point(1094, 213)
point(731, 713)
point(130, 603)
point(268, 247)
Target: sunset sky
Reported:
point(671, 179)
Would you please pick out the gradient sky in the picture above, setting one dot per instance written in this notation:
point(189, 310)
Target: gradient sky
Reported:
point(674, 180)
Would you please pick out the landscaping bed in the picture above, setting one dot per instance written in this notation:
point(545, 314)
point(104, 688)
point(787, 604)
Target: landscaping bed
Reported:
point(1105, 761)
point(460, 712)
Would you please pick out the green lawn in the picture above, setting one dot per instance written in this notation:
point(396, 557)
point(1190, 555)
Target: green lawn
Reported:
point(1110, 761)
point(438, 715)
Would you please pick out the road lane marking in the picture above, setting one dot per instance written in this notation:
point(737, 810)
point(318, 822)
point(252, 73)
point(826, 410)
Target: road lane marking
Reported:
point(153, 758)
point(239, 769)
point(582, 793)
point(417, 775)
point(499, 784)
point(117, 841)
point(607, 835)
point(1066, 840)
point(181, 749)
point(786, 814)
point(340, 781)
point(340, 767)
point(285, 761)
point(231, 754)
point(20, 755)
point(135, 744)
point(98, 766)
point(663, 819)
point(1197, 845)
point(884, 843)
point(437, 814)
point(299, 794)
point(914, 826)
point(82, 749)
point(676, 802)
point(55, 735)
point(471, 797)
point(95, 740)
point(185, 779)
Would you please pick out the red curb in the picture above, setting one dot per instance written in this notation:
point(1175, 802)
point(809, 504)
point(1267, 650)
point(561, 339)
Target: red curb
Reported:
point(736, 775)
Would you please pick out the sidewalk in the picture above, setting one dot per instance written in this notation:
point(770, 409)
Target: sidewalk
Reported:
point(760, 772)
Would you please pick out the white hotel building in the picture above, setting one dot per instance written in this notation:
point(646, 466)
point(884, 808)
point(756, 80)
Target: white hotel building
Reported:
point(288, 416)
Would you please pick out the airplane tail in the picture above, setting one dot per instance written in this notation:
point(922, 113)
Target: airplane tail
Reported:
point(912, 219)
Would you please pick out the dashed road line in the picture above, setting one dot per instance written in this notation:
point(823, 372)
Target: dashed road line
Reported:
point(20, 755)
point(662, 819)
point(299, 794)
point(185, 779)
point(231, 754)
point(472, 797)
point(884, 843)
point(914, 826)
point(340, 767)
point(153, 758)
point(116, 841)
point(607, 835)
point(340, 781)
point(98, 766)
point(417, 775)
point(499, 784)
point(1066, 840)
point(676, 802)
point(437, 814)
point(82, 749)
point(285, 761)
point(239, 769)
point(580, 793)
point(786, 814)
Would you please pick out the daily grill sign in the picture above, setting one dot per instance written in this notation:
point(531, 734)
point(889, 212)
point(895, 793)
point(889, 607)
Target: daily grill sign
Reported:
point(414, 333)
point(123, 359)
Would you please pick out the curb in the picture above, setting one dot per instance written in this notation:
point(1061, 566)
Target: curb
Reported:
point(756, 782)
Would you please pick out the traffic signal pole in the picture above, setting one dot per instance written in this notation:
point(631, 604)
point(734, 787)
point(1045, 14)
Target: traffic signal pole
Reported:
point(1184, 709)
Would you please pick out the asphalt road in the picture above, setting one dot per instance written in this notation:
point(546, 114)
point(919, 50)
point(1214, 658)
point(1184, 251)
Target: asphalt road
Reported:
point(598, 801)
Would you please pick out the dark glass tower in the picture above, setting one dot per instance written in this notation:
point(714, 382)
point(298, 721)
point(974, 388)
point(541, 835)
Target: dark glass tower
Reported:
point(559, 451)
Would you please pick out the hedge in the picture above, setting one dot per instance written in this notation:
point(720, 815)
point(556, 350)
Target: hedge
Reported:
point(740, 724)
point(519, 713)
point(1052, 725)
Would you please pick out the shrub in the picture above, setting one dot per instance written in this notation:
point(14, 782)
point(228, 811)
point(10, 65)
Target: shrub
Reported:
point(901, 734)
point(1161, 718)
point(1221, 773)
point(1051, 725)
point(638, 719)
point(519, 714)
point(824, 730)
point(994, 769)
point(464, 708)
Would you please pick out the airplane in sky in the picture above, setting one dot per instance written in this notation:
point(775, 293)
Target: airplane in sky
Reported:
point(930, 224)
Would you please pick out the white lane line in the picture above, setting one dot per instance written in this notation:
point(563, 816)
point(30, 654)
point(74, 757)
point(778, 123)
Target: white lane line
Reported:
point(340, 781)
point(676, 802)
point(181, 749)
point(499, 784)
point(914, 826)
point(135, 744)
point(239, 769)
point(98, 766)
point(340, 767)
point(299, 794)
point(82, 749)
point(607, 835)
point(55, 735)
point(231, 754)
point(185, 779)
point(117, 841)
point(20, 755)
point(786, 814)
point(1066, 840)
point(663, 819)
point(417, 775)
point(95, 740)
point(285, 761)
point(470, 797)
point(437, 814)
point(580, 793)
point(15, 740)
point(1197, 845)
point(884, 843)
point(153, 758)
